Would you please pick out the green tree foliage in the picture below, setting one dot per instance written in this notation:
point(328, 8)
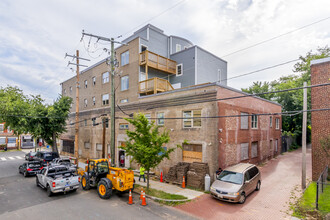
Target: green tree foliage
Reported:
point(30, 115)
point(145, 143)
point(292, 101)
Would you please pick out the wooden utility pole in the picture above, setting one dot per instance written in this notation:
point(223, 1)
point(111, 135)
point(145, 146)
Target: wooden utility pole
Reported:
point(303, 176)
point(76, 137)
point(112, 100)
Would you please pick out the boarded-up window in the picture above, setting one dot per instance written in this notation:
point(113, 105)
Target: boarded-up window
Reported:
point(98, 146)
point(192, 153)
point(244, 120)
point(244, 151)
point(68, 146)
point(87, 145)
point(254, 149)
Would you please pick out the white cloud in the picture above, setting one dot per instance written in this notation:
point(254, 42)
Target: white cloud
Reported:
point(35, 35)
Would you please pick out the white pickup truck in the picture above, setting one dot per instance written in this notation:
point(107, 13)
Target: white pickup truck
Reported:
point(57, 179)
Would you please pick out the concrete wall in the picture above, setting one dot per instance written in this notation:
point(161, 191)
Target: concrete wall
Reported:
point(320, 73)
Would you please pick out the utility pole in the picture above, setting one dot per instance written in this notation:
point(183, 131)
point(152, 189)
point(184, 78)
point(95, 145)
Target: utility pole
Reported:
point(103, 137)
point(76, 136)
point(112, 92)
point(303, 176)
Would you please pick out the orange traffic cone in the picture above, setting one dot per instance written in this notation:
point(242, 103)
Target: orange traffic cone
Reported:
point(141, 196)
point(130, 198)
point(144, 203)
point(161, 177)
point(183, 182)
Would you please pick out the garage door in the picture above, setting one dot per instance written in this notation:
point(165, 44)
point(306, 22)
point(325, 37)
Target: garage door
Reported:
point(192, 153)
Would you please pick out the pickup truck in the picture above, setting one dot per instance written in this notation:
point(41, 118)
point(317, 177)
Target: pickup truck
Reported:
point(65, 161)
point(57, 179)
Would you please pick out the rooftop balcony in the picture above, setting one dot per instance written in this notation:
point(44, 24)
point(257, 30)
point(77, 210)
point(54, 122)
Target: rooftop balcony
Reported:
point(158, 62)
point(154, 86)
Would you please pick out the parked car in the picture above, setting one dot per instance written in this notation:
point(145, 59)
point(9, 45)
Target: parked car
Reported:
point(30, 156)
point(66, 161)
point(30, 168)
point(235, 183)
point(57, 179)
point(45, 156)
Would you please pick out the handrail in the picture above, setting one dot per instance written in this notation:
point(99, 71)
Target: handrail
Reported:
point(154, 85)
point(157, 61)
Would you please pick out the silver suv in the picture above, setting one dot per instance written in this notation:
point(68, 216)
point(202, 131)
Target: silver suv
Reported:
point(236, 182)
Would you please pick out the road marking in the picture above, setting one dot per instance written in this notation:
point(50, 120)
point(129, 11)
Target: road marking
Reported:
point(2, 158)
point(11, 158)
point(18, 157)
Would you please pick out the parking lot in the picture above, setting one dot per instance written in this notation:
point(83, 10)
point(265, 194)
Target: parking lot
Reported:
point(21, 198)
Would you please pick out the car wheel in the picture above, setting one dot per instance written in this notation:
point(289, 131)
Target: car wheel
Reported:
point(85, 182)
point(49, 192)
point(25, 173)
point(74, 190)
point(258, 186)
point(103, 190)
point(242, 198)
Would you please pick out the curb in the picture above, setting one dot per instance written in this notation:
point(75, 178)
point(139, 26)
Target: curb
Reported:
point(165, 200)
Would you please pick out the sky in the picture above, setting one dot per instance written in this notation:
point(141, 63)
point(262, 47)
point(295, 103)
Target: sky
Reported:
point(36, 34)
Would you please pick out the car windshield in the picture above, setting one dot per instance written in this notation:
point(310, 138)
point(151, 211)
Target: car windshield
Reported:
point(231, 177)
point(33, 153)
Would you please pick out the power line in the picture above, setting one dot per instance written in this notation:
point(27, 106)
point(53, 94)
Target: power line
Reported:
point(273, 38)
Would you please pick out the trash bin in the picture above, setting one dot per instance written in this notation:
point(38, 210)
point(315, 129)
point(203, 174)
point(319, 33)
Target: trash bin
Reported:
point(207, 183)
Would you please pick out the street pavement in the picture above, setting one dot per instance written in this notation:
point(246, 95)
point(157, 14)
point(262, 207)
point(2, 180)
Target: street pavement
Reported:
point(21, 198)
point(280, 177)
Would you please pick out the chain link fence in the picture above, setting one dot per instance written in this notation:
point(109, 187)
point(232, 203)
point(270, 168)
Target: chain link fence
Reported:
point(321, 184)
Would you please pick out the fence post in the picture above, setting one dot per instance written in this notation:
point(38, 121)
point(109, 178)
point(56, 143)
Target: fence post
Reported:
point(317, 195)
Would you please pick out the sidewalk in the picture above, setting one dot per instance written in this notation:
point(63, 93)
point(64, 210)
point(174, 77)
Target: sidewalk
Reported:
point(169, 188)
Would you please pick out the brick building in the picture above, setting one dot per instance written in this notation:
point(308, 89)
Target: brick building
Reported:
point(320, 73)
point(7, 138)
point(169, 80)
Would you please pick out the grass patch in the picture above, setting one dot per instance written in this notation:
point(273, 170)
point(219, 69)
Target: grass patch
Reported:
point(161, 194)
point(10, 150)
point(305, 207)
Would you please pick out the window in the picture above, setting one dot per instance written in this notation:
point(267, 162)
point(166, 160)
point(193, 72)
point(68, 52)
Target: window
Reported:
point(123, 126)
point(98, 146)
point(124, 83)
point(70, 89)
point(254, 149)
point(276, 145)
point(1, 127)
point(270, 121)
point(148, 116)
point(94, 80)
point(254, 121)
point(2, 140)
point(106, 121)
point(94, 121)
point(105, 99)
point(85, 122)
point(85, 102)
point(244, 151)
point(253, 172)
point(93, 100)
point(143, 48)
point(160, 118)
point(190, 122)
point(277, 123)
point(87, 145)
point(105, 77)
point(177, 47)
point(179, 68)
point(124, 58)
point(244, 120)
point(85, 84)
point(123, 100)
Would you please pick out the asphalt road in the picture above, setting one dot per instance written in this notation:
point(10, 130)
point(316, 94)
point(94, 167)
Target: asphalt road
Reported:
point(20, 198)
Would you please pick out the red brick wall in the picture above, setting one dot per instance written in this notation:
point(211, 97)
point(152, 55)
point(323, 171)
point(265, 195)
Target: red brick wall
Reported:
point(232, 135)
point(320, 73)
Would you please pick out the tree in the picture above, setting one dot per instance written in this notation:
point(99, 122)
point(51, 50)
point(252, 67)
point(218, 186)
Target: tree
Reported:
point(145, 143)
point(260, 87)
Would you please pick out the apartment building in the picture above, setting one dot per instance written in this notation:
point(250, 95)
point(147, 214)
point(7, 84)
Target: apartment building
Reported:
point(169, 79)
point(7, 138)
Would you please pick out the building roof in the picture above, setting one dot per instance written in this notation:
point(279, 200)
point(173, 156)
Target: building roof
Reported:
point(319, 61)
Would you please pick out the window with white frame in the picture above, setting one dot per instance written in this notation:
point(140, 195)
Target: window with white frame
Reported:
point(148, 116)
point(192, 119)
point(254, 121)
point(124, 57)
point(94, 80)
point(105, 99)
point(244, 120)
point(85, 102)
point(93, 100)
point(277, 123)
point(124, 83)
point(160, 118)
point(270, 121)
point(177, 47)
point(123, 100)
point(254, 149)
point(123, 126)
point(179, 69)
point(85, 84)
point(244, 151)
point(105, 77)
